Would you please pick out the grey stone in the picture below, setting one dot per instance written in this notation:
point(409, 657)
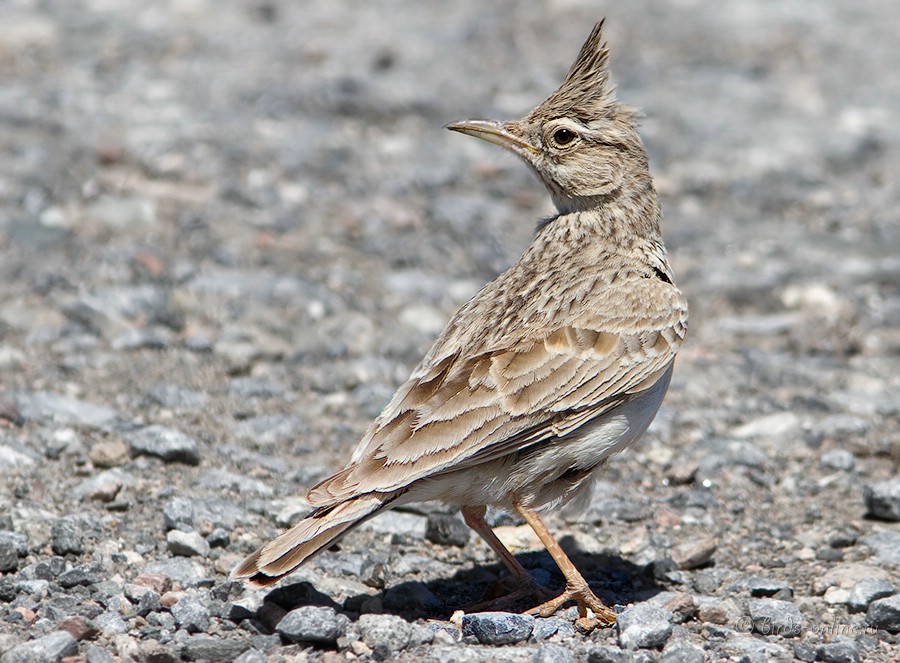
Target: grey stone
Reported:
point(775, 617)
point(184, 570)
point(866, 591)
point(682, 651)
point(553, 653)
point(95, 654)
point(178, 513)
point(111, 623)
point(885, 546)
point(388, 632)
point(66, 537)
point(447, 530)
point(170, 445)
point(104, 486)
point(8, 589)
point(497, 628)
point(748, 649)
point(251, 656)
point(219, 538)
point(608, 654)
point(545, 628)
point(694, 554)
point(144, 599)
point(838, 459)
point(191, 615)
point(843, 651)
point(49, 407)
point(83, 574)
point(175, 397)
point(883, 499)
point(312, 624)
point(204, 647)
point(885, 614)
point(50, 648)
point(643, 626)
point(9, 551)
point(187, 544)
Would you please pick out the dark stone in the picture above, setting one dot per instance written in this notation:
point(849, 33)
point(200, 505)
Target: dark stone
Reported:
point(66, 537)
point(447, 530)
point(170, 445)
point(497, 628)
point(843, 651)
point(84, 574)
point(885, 614)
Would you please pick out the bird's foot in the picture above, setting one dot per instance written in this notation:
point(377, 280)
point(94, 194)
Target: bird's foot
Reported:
point(585, 599)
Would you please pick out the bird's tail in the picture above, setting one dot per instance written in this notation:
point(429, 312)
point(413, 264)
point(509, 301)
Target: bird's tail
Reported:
point(307, 538)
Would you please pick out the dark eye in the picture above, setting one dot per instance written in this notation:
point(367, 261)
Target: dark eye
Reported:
point(563, 136)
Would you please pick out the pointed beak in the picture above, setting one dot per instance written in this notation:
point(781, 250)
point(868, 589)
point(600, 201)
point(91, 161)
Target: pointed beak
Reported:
point(497, 133)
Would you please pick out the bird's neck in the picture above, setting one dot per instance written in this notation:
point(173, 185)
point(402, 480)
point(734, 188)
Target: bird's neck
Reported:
point(628, 214)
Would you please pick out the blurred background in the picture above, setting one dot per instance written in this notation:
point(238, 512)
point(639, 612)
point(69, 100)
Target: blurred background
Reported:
point(244, 221)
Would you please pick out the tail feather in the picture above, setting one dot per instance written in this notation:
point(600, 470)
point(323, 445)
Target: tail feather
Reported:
point(309, 537)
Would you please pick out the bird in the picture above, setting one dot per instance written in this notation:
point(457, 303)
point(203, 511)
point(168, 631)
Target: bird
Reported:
point(547, 372)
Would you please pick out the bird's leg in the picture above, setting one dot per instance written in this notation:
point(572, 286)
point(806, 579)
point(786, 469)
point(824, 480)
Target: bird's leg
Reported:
point(577, 588)
point(526, 585)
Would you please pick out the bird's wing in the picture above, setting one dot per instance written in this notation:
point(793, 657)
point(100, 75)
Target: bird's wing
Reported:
point(462, 407)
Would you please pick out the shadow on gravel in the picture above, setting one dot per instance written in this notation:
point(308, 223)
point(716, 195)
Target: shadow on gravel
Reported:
point(613, 579)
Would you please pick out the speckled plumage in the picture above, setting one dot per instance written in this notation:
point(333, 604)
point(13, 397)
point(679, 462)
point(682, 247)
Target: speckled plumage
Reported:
point(554, 366)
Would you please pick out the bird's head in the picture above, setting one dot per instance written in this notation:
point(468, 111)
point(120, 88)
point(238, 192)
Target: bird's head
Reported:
point(580, 141)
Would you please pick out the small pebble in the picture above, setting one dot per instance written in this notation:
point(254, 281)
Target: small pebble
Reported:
point(312, 624)
point(553, 653)
point(883, 499)
point(843, 651)
point(384, 633)
point(497, 628)
point(178, 513)
point(775, 617)
point(191, 615)
point(187, 544)
point(866, 591)
point(46, 649)
point(109, 453)
point(170, 445)
point(885, 546)
point(682, 651)
point(608, 654)
point(694, 554)
point(66, 537)
point(104, 486)
point(885, 614)
point(644, 626)
point(838, 459)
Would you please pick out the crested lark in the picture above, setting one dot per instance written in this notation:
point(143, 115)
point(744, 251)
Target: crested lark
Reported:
point(552, 368)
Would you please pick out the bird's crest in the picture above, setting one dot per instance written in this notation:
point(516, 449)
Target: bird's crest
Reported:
point(587, 90)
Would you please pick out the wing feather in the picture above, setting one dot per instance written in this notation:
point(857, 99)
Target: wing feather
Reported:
point(466, 405)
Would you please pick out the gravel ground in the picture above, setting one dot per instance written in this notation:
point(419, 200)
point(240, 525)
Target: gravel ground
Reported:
point(229, 229)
